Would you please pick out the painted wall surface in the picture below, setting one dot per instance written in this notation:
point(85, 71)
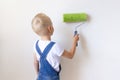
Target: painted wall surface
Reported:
point(97, 56)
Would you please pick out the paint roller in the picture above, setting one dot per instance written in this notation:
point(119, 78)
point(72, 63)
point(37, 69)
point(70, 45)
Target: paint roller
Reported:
point(75, 17)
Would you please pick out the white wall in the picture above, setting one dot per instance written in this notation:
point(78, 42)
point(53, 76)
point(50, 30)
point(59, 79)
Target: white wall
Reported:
point(97, 57)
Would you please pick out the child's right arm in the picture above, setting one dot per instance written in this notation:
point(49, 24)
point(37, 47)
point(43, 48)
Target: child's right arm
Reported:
point(36, 63)
point(69, 54)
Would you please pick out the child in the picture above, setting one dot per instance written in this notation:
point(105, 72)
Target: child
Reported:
point(48, 53)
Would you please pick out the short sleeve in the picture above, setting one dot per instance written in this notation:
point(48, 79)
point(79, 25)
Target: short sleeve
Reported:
point(58, 50)
point(34, 50)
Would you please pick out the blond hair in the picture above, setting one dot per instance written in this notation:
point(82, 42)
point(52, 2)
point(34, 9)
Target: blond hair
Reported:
point(40, 23)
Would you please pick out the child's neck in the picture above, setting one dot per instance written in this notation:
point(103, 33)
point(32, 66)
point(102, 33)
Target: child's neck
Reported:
point(46, 38)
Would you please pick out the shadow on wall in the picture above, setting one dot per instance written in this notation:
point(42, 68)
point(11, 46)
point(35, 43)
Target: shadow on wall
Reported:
point(84, 47)
point(72, 69)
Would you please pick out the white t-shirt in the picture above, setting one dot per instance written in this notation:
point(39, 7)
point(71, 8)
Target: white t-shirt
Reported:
point(54, 54)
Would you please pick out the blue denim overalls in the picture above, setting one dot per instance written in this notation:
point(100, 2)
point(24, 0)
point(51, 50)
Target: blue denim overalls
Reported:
point(46, 71)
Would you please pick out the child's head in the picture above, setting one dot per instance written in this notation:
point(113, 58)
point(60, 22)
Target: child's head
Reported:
point(42, 25)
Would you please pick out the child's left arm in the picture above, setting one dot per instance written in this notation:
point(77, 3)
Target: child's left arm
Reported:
point(69, 54)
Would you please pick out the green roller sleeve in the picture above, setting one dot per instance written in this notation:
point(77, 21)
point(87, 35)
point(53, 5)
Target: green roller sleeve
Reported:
point(75, 17)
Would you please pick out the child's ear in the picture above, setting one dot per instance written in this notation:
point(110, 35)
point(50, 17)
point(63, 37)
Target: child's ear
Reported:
point(50, 29)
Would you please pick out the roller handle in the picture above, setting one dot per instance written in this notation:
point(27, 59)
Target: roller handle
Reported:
point(75, 33)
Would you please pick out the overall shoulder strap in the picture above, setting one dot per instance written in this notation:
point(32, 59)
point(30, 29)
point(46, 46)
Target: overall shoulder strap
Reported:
point(47, 49)
point(38, 49)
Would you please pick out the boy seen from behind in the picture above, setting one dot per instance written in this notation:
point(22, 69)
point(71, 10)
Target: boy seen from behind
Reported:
point(48, 53)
